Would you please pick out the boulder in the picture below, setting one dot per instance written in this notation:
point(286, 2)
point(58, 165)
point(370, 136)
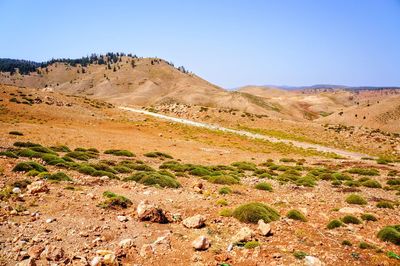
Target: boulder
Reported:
point(37, 187)
point(35, 251)
point(196, 221)
point(126, 243)
point(245, 234)
point(312, 261)
point(265, 229)
point(152, 213)
point(201, 243)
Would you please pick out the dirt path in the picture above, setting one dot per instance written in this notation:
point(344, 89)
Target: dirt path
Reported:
point(305, 145)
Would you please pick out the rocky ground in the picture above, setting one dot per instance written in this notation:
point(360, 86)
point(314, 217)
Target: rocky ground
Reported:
point(190, 218)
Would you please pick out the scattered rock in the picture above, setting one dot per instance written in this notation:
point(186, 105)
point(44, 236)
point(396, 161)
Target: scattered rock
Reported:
point(196, 221)
point(50, 220)
point(37, 187)
point(53, 253)
point(150, 212)
point(312, 261)
point(265, 229)
point(245, 234)
point(146, 250)
point(16, 190)
point(201, 243)
point(35, 251)
point(126, 243)
point(96, 261)
point(27, 262)
point(122, 218)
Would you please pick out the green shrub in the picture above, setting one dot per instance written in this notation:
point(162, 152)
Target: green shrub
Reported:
point(382, 160)
point(352, 183)
point(21, 183)
point(254, 211)
point(85, 169)
point(341, 176)
point(223, 180)
point(350, 219)
point(122, 169)
point(364, 171)
point(59, 176)
point(384, 205)
point(16, 133)
point(299, 255)
point(154, 179)
point(296, 215)
point(114, 201)
point(81, 155)
point(8, 154)
point(26, 144)
point(225, 190)
point(356, 199)
point(390, 234)
point(336, 183)
point(368, 217)
point(200, 171)
point(393, 182)
point(27, 166)
point(225, 213)
point(27, 153)
point(125, 153)
point(346, 243)
point(287, 160)
point(365, 245)
point(393, 255)
point(372, 184)
point(251, 244)
point(334, 224)
point(41, 149)
point(393, 172)
point(60, 148)
point(246, 166)
point(264, 186)
point(306, 181)
point(222, 202)
point(157, 154)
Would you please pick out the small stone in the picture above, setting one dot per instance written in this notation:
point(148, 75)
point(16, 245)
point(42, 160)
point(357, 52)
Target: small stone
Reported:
point(245, 234)
point(146, 250)
point(264, 228)
point(96, 261)
point(109, 259)
point(126, 243)
point(35, 251)
point(312, 261)
point(196, 221)
point(104, 178)
point(37, 187)
point(351, 210)
point(122, 218)
point(50, 220)
point(16, 190)
point(53, 253)
point(201, 243)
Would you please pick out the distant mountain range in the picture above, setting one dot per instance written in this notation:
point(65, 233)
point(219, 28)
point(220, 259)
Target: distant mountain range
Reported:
point(333, 87)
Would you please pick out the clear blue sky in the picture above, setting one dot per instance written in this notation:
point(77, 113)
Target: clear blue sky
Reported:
point(228, 42)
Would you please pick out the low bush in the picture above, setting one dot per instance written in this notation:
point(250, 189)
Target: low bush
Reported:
point(372, 184)
point(81, 155)
point(364, 171)
point(225, 190)
point(245, 166)
point(8, 154)
point(251, 244)
point(368, 217)
point(27, 166)
point(296, 215)
point(222, 202)
point(390, 234)
point(225, 213)
point(254, 211)
point(365, 245)
point(264, 186)
point(287, 160)
point(350, 219)
point(60, 148)
point(125, 153)
point(223, 180)
point(114, 201)
point(356, 199)
point(346, 243)
point(299, 255)
point(334, 224)
point(59, 176)
point(154, 179)
point(384, 205)
point(341, 176)
point(393, 182)
point(157, 154)
point(26, 144)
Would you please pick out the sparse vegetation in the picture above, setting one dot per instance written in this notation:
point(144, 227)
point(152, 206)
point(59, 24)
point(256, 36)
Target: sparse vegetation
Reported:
point(114, 201)
point(368, 217)
point(253, 212)
point(154, 179)
point(16, 133)
point(356, 199)
point(346, 243)
point(59, 176)
point(300, 255)
point(364, 171)
point(251, 244)
point(334, 224)
point(385, 205)
point(225, 190)
point(125, 153)
point(390, 234)
point(365, 245)
point(372, 184)
point(30, 165)
point(264, 186)
point(296, 215)
point(350, 219)
point(226, 212)
point(157, 154)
